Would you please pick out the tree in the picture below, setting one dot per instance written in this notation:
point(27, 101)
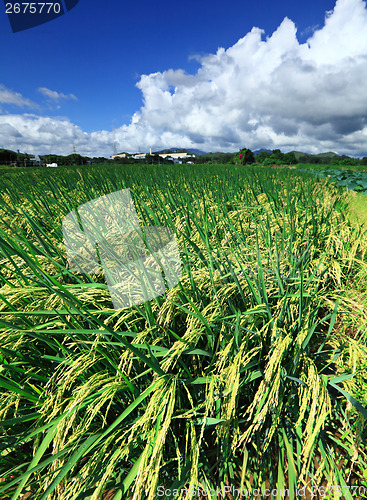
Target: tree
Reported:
point(154, 158)
point(51, 159)
point(271, 161)
point(7, 156)
point(347, 161)
point(277, 155)
point(74, 159)
point(290, 159)
point(244, 157)
point(261, 157)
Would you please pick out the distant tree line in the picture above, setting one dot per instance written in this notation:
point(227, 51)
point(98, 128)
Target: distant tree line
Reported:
point(246, 157)
point(8, 157)
point(215, 158)
point(276, 157)
point(73, 159)
point(329, 159)
point(243, 157)
point(346, 160)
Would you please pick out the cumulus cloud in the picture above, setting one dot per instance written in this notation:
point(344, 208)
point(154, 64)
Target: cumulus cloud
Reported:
point(56, 96)
point(38, 134)
point(269, 92)
point(264, 91)
point(8, 96)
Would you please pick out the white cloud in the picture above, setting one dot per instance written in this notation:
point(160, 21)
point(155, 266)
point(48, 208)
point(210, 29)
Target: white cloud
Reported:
point(8, 96)
point(55, 96)
point(37, 134)
point(269, 92)
point(261, 92)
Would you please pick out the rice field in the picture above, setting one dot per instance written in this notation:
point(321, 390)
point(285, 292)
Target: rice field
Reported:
point(250, 373)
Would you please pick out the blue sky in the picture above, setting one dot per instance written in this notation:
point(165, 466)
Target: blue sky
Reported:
point(187, 74)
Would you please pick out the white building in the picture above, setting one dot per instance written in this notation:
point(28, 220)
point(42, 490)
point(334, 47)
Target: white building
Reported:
point(141, 156)
point(177, 156)
point(122, 155)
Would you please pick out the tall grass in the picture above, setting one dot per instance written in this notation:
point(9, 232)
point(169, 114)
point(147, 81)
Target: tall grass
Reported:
point(245, 374)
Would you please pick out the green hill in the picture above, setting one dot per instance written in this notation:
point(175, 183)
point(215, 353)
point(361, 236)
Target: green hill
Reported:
point(300, 154)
